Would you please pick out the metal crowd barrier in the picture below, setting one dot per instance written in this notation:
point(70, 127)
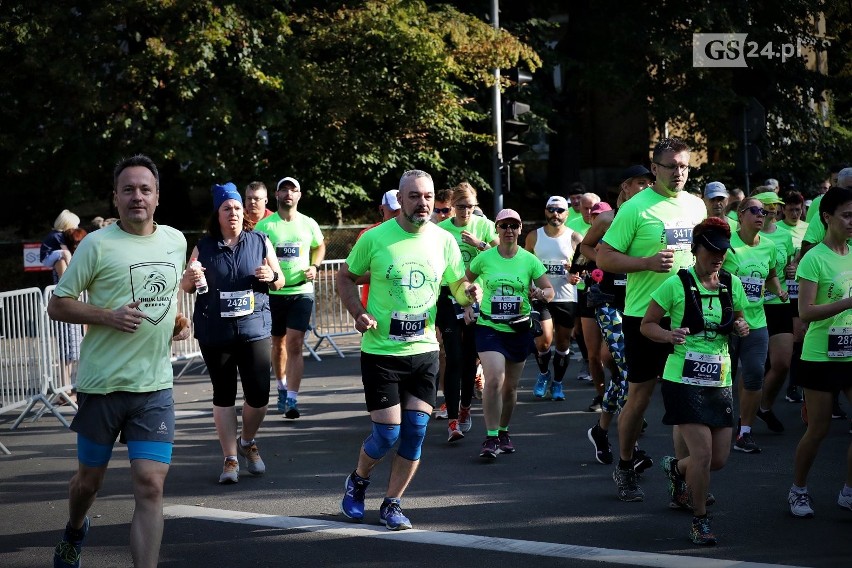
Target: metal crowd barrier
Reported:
point(330, 319)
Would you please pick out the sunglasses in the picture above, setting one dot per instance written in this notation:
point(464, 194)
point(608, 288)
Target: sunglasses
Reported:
point(755, 210)
point(556, 210)
point(507, 226)
point(465, 206)
point(443, 210)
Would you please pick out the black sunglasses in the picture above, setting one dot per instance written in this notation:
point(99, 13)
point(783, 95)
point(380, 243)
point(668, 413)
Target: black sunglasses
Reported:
point(755, 210)
point(442, 210)
point(507, 226)
point(465, 206)
point(556, 210)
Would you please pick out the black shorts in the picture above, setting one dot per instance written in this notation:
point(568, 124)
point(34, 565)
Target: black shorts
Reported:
point(779, 318)
point(690, 404)
point(290, 312)
point(583, 308)
point(130, 416)
point(447, 312)
point(515, 347)
point(646, 358)
point(387, 377)
point(562, 313)
point(826, 376)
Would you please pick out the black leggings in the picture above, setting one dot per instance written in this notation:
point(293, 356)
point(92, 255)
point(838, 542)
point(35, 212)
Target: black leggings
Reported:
point(253, 362)
point(459, 366)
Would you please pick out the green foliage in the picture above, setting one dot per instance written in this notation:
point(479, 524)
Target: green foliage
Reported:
point(344, 97)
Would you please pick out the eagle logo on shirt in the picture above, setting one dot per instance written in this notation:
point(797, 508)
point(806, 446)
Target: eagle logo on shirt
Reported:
point(155, 285)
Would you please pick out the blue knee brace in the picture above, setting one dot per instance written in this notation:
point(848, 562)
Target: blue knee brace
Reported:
point(412, 433)
point(382, 439)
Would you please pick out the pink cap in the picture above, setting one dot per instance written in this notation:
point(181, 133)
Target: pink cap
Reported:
point(600, 207)
point(507, 214)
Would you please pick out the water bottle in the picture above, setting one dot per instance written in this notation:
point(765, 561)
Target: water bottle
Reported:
point(200, 287)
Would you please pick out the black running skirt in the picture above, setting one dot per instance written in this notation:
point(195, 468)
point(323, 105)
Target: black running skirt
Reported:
point(690, 404)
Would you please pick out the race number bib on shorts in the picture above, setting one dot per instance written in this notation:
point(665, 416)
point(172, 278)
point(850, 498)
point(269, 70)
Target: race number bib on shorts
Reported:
point(554, 267)
point(287, 252)
point(702, 370)
point(407, 327)
point(678, 235)
point(236, 304)
point(753, 286)
point(459, 309)
point(505, 307)
point(792, 288)
point(840, 341)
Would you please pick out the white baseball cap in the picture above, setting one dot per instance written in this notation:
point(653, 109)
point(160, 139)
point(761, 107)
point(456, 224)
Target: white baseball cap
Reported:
point(390, 200)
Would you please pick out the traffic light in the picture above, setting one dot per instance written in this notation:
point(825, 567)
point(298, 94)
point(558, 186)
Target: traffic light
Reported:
point(513, 130)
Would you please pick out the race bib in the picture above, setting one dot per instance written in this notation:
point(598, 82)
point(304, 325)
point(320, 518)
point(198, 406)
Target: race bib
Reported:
point(792, 288)
point(840, 341)
point(703, 370)
point(753, 286)
point(407, 327)
point(236, 304)
point(505, 307)
point(287, 252)
point(678, 236)
point(619, 282)
point(554, 267)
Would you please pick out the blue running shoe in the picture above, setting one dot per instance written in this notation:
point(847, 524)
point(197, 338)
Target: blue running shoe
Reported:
point(541, 384)
point(556, 391)
point(67, 553)
point(282, 401)
point(392, 516)
point(352, 504)
point(291, 408)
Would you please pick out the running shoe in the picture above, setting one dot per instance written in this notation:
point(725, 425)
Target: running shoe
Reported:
point(837, 412)
point(504, 443)
point(628, 487)
point(465, 420)
point(441, 412)
point(771, 420)
point(584, 375)
point(454, 433)
point(540, 386)
point(596, 404)
point(745, 443)
point(478, 383)
point(678, 493)
point(701, 532)
point(556, 392)
point(254, 464)
point(291, 408)
point(793, 395)
point(282, 401)
point(801, 504)
point(69, 550)
point(230, 472)
point(844, 501)
point(392, 516)
point(641, 461)
point(489, 449)
point(600, 440)
point(352, 504)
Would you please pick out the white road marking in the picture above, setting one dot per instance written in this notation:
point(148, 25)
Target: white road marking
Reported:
point(491, 544)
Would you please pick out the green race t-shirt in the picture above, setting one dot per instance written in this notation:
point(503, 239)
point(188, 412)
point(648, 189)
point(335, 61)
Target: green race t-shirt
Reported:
point(829, 339)
point(752, 264)
point(709, 363)
point(406, 273)
point(482, 230)
point(644, 226)
point(293, 241)
point(815, 232)
point(505, 285)
point(812, 216)
point(577, 224)
point(797, 233)
point(783, 252)
point(117, 268)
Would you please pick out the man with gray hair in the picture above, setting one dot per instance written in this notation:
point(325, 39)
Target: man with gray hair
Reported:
point(408, 259)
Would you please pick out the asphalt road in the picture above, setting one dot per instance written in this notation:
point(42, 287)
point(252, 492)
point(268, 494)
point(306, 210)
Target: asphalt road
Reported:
point(549, 504)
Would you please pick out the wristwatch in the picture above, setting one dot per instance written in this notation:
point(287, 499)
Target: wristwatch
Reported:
point(482, 245)
point(275, 277)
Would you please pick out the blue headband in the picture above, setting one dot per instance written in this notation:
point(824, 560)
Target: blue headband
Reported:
point(222, 193)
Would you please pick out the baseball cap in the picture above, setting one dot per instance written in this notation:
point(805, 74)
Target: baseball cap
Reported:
point(715, 189)
point(635, 172)
point(771, 182)
point(557, 201)
point(600, 207)
point(389, 200)
point(507, 214)
point(291, 180)
point(222, 193)
point(714, 240)
point(768, 198)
